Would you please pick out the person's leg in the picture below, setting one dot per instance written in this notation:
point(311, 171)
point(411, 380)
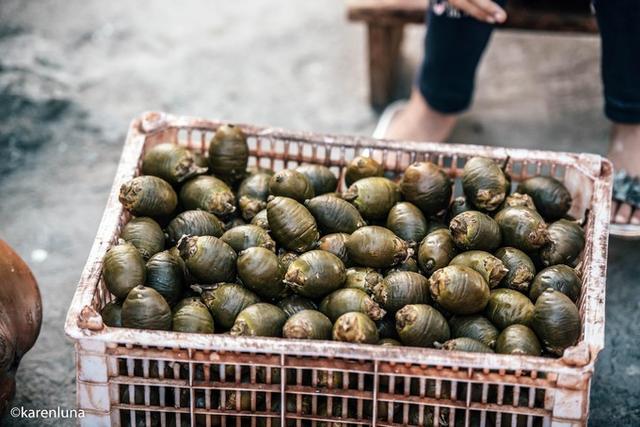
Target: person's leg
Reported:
point(444, 87)
point(619, 23)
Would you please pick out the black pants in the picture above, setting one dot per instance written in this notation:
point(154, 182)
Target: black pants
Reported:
point(454, 46)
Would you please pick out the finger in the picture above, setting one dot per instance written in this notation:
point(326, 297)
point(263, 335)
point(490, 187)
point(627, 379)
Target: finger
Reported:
point(473, 10)
point(623, 215)
point(492, 9)
point(635, 217)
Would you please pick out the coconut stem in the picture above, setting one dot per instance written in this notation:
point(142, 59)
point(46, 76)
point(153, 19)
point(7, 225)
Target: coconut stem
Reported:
point(406, 316)
point(300, 330)
point(373, 310)
point(129, 193)
point(240, 328)
point(187, 246)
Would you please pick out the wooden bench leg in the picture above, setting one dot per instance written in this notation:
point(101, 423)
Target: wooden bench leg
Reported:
point(384, 50)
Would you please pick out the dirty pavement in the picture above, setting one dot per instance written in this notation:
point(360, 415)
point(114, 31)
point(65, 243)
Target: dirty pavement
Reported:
point(73, 74)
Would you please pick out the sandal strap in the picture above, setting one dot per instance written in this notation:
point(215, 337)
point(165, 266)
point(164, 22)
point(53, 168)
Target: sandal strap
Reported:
point(621, 184)
point(633, 196)
point(626, 188)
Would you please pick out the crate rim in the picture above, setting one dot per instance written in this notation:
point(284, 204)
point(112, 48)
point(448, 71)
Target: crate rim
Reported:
point(590, 164)
point(582, 361)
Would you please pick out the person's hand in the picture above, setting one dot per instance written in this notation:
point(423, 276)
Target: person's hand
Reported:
point(482, 10)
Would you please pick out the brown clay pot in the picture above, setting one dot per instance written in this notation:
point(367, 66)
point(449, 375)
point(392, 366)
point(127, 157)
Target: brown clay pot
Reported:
point(20, 317)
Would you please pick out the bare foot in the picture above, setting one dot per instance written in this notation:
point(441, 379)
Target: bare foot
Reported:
point(419, 122)
point(624, 153)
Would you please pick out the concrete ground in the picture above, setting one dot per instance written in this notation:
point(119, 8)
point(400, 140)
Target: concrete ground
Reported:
point(72, 75)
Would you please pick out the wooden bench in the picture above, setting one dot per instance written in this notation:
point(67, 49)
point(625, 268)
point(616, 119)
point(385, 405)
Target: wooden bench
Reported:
point(386, 19)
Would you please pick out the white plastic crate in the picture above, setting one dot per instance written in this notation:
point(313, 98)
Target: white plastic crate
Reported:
point(139, 377)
